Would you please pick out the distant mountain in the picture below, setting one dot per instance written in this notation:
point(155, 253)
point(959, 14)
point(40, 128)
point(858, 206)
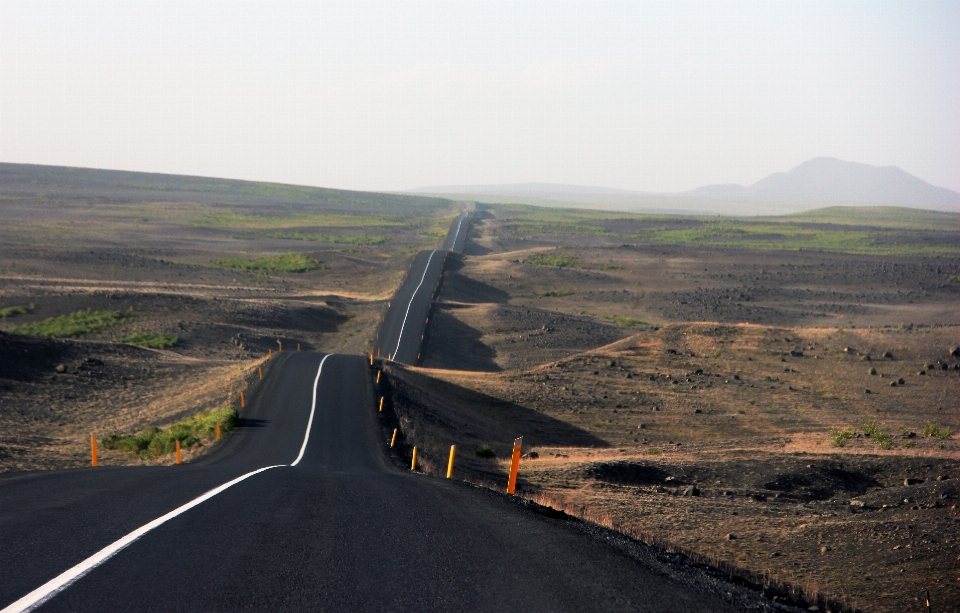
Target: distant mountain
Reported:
point(826, 179)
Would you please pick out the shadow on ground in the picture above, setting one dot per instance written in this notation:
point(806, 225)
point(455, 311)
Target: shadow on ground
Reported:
point(433, 414)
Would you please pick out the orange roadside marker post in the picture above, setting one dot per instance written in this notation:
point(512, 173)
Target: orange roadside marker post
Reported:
point(515, 465)
point(280, 346)
point(378, 353)
point(178, 451)
point(393, 439)
point(93, 450)
point(270, 354)
point(413, 462)
point(243, 402)
point(453, 453)
point(218, 432)
point(298, 346)
point(260, 370)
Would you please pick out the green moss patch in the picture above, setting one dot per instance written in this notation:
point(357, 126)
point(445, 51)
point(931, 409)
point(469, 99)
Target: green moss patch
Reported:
point(74, 325)
point(156, 442)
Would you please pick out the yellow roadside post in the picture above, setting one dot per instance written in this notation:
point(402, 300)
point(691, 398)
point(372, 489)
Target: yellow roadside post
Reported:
point(514, 465)
point(178, 451)
point(279, 346)
point(243, 401)
point(413, 462)
point(270, 354)
point(93, 450)
point(453, 453)
point(378, 376)
point(298, 346)
point(393, 439)
point(381, 404)
point(371, 358)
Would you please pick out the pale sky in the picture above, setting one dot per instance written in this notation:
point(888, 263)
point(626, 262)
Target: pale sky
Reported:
point(390, 95)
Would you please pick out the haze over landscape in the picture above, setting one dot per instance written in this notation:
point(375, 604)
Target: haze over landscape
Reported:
point(641, 96)
point(453, 305)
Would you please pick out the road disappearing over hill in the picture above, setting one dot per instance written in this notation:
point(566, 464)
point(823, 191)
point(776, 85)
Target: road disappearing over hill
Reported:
point(322, 521)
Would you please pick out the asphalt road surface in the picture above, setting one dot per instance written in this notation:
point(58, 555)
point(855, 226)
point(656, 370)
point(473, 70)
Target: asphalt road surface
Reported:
point(301, 509)
point(343, 530)
point(406, 319)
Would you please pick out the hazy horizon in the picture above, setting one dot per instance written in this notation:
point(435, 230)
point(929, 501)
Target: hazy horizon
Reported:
point(392, 96)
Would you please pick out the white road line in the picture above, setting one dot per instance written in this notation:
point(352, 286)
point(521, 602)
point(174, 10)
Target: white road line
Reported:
point(62, 581)
point(407, 314)
point(453, 247)
point(313, 408)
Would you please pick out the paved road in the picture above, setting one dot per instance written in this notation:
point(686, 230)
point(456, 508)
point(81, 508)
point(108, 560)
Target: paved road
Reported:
point(403, 326)
point(343, 530)
point(301, 510)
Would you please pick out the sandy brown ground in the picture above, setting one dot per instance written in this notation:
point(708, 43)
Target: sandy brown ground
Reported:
point(148, 246)
point(730, 376)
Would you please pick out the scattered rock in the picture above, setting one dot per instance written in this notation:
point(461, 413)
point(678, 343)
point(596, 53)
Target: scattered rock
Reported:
point(887, 355)
point(61, 368)
point(921, 372)
point(901, 381)
point(866, 358)
point(730, 536)
point(691, 491)
point(912, 481)
point(866, 391)
point(872, 370)
point(796, 354)
point(893, 384)
point(698, 411)
point(533, 455)
point(955, 352)
point(856, 503)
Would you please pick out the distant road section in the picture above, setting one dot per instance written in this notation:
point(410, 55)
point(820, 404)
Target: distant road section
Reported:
point(405, 321)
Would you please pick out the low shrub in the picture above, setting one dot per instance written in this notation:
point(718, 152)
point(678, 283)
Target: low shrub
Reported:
point(13, 311)
point(154, 442)
point(148, 339)
point(839, 438)
point(284, 262)
point(935, 430)
point(486, 451)
point(74, 325)
point(877, 434)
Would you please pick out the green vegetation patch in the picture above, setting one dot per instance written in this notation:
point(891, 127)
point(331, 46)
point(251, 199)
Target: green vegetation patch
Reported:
point(877, 434)
point(149, 339)
point(284, 262)
point(155, 442)
point(864, 230)
point(13, 311)
point(841, 437)
point(550, 259)
point(353, 239)
point(74, 325)
point(486, 451)
point(228, 219)
point(935, 430)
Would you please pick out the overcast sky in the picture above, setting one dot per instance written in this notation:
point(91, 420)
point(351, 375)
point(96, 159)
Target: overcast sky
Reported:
point(660, 96)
